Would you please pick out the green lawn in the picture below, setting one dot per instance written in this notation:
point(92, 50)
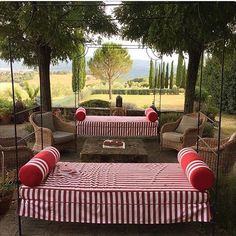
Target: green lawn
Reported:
point(172, 102)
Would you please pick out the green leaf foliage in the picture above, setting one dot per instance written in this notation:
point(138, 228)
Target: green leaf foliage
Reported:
point(212, 81)
point(179, 27)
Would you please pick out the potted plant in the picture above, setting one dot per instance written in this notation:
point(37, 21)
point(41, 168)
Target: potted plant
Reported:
point(7, 187)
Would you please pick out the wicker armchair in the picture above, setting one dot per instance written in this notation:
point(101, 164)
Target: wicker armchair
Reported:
point(208, 150)
point(62, 135)
point(8, 152)
point(118, 111)
point(170, 138)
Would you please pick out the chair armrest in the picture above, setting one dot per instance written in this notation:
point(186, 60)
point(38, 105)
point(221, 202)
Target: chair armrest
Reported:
point(190, 137)
point(47, 136)
point(168, 127)
point(61, 125)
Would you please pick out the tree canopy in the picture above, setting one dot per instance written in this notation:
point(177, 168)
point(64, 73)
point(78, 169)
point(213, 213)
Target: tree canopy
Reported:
point(110, 62)
point(45, 32)
point(175, 26)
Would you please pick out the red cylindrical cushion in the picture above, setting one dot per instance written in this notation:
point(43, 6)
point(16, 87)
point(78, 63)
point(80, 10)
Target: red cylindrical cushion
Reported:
point(50, 155)
point(147, 110)
point(151, 114)
point(35, 171)
point(198, 173)
point(80, 114)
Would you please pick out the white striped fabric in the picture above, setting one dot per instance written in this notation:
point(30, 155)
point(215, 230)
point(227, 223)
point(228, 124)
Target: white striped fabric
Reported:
point(40, 164)
point(126, 126)
point(54, 151)
point(183, 152)
point(116, 193)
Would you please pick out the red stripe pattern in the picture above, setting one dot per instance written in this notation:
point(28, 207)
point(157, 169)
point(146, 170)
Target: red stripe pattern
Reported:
point(113, 126)
point(116, 193)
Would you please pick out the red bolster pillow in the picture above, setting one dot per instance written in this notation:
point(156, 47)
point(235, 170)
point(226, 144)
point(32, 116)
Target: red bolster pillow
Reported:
point(151, 114)
point(80, 114)
point(197, 171)
point(36, 170)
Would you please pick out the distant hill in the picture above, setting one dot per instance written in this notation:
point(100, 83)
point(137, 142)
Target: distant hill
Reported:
point(140, 68)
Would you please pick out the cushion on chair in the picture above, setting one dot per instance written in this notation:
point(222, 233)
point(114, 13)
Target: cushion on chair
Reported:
point(197, 171)
point(80, 114)
point(186, 123)
point(62, 137)
point(172, 136)
point(36, 170)
point(47, 120)
point(232, 137)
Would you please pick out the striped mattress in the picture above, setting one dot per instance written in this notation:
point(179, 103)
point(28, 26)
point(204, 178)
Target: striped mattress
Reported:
point(126, 126)
point(116, 193)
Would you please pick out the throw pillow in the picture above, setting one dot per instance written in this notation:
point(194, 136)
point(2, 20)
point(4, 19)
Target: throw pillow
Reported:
point(47, 120)
point(232, 137)
point(186, 123)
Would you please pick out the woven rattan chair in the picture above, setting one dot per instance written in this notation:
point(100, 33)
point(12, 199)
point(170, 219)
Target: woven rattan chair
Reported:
point(170, 138)
point(8, 152)
point(208, 150)
point(59, 133)
point(117, 111)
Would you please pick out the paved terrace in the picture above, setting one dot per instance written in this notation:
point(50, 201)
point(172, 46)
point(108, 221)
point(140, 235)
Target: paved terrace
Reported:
point(31, 227)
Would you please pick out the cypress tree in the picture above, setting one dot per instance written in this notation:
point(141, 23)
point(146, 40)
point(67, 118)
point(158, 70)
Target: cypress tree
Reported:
point(159, 77)
point(163, 76)
point(183, 81)
point(167, 76)
point(179, 70)
point(156, 75)
point(78, 69)
point(151, 74)
point(172, 75)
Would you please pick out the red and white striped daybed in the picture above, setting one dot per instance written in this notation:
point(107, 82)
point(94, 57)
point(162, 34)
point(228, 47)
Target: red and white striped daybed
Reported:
point(117, 126)
point(116, 193)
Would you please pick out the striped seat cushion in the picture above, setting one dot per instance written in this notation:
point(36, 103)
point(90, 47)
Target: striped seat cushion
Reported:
point(116, 193)
point(126, 126)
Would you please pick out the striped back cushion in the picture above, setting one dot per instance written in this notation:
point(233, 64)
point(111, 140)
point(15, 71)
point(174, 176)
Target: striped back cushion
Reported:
point(197, 171)
point(80, 114)
point(36, 170)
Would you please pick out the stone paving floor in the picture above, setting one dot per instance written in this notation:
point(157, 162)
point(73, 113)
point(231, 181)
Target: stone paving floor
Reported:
point(31, 227)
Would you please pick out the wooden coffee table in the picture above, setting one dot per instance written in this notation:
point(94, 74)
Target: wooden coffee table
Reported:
point(93, 151)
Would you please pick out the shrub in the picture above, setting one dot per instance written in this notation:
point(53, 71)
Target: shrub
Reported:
point(204, 94)
point(95, 103)
point(226, 207)
point(208, 130)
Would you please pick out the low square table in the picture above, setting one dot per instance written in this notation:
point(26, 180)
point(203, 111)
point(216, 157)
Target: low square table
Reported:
point(93, 151)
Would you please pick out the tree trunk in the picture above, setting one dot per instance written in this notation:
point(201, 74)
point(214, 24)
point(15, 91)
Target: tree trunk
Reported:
point(194, 59)
point(110, 90)
point(44, 76)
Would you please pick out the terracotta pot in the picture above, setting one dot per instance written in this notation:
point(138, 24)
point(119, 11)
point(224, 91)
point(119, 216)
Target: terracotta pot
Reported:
point(5, 203)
